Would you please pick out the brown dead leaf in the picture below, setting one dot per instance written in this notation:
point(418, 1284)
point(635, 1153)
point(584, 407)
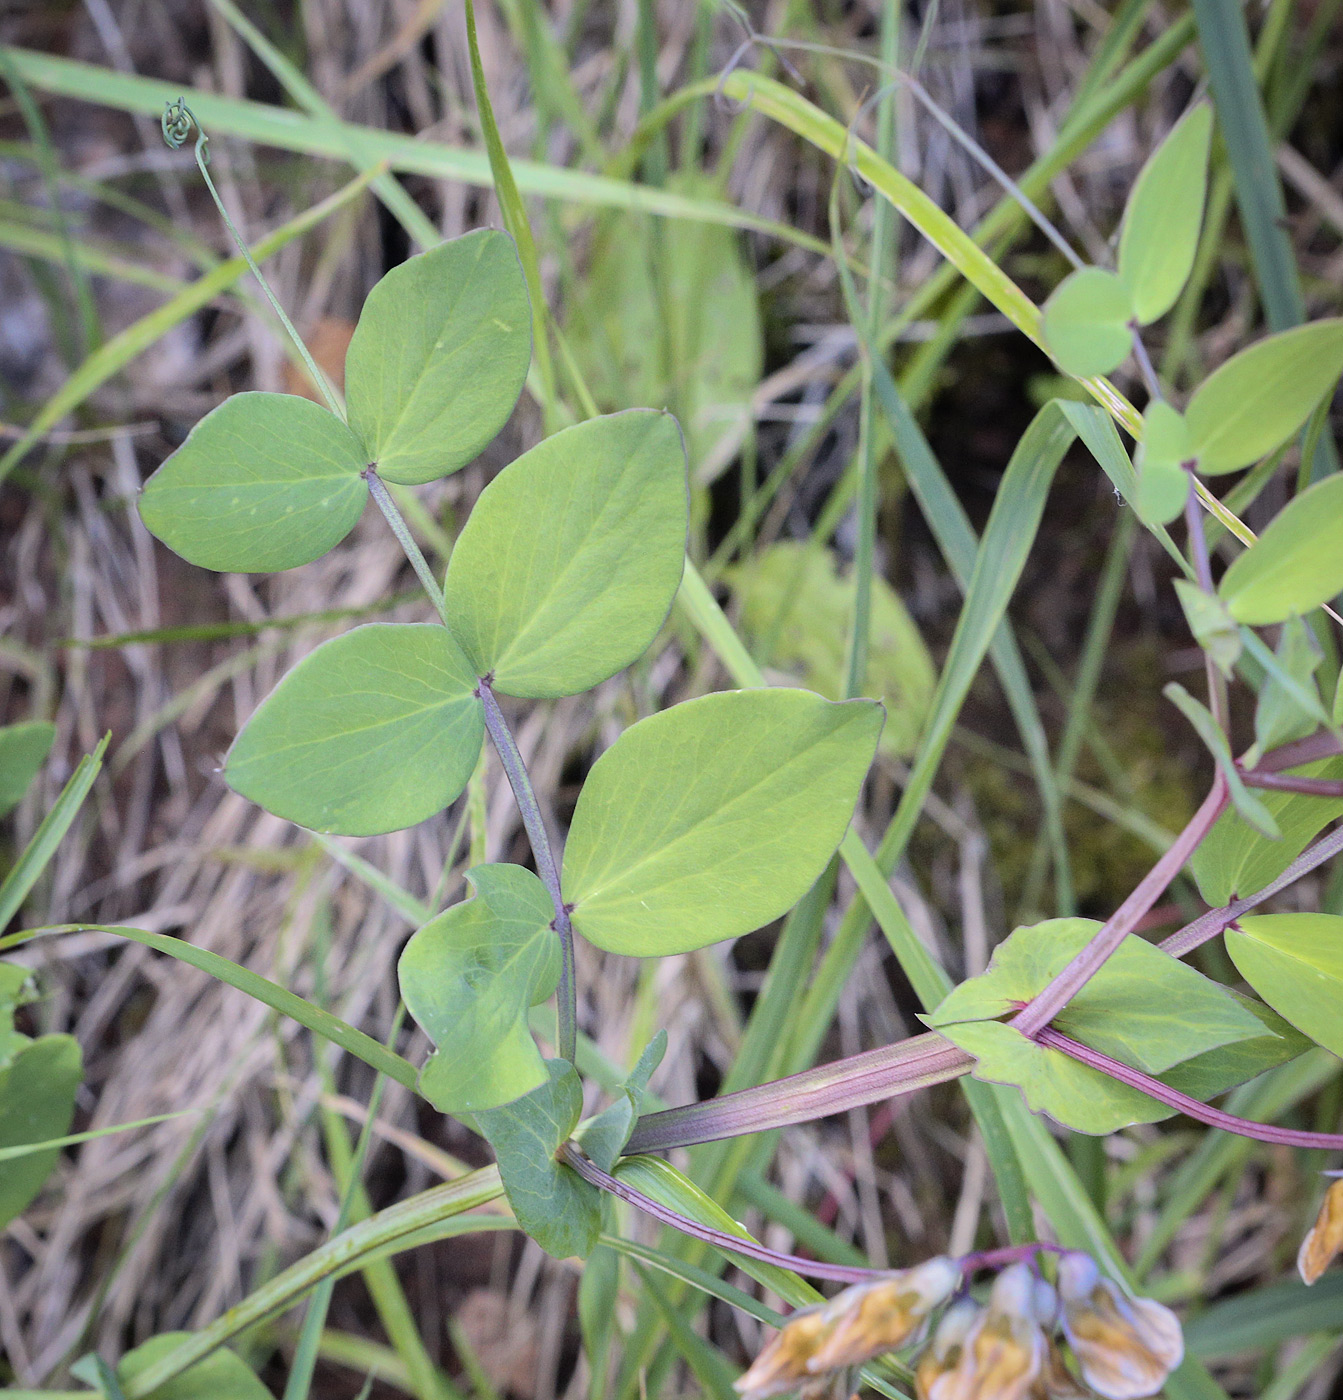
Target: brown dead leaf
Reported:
point(328, 341)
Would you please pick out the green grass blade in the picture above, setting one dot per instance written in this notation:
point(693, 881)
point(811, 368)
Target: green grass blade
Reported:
point(32, 242)
point(515, 220)
point(348, 1250)
point(385, 185)
point(956, 539)
point(1008, 537)
point(8, 1154)
point(707, 1364)
point(24, 873)
point(323, 1023)
point(1266, 1317)
point(81, 291)
point(267, 125)
point(1225, 42)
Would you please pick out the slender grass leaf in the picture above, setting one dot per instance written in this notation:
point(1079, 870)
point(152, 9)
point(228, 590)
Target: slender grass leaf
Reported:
point(374, 731)
point(1262, 395)
point(347, 1037)
point(514, 212)
point(1225, 43)
point(1295, 962)
point(23, 874)
point(1086, 322)
point(556, 1207)
point(570, 560)
point(439, 357)
point(1296, 564)
point(37, 1102)
point(23, 750)
point(957, 541)
point(262, 483)
point(1008, 537)
point(707, 1364)
point(1163, 216)
point(659, 1180)
point(1266, 1317)
point(266, 124)
point(469, 978)
point(399, 204)
point(795, 609)
point(221, 1376)
point(712, 818)
point(75, 1139)
point(598, 1295)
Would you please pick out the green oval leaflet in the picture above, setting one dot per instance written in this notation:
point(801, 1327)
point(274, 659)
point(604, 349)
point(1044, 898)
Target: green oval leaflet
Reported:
point(710, 819)
point(439, 357)
point(1295, 962)
point(263, 482)
point(1086, 322)
point(1163, 217)
point(571, 558)
point(374, 731)
point(1262, 395)
point(1295, 565)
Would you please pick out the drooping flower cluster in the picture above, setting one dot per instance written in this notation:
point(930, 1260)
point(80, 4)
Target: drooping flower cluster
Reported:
point(1004, 1349)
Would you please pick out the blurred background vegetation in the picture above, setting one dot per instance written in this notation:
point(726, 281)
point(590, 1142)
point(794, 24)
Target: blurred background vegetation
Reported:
point(122, 323)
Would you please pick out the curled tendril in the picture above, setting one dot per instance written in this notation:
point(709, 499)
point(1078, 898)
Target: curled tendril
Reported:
point(178, 119)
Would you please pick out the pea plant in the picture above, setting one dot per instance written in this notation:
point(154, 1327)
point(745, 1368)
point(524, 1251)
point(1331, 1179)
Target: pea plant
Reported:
point(715, 817)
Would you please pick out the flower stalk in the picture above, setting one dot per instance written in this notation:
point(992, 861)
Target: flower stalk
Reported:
point(1203, 1113)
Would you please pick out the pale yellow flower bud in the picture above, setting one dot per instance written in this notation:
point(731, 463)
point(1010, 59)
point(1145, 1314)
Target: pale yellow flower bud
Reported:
point(1004, 1351)
point(1324, 1239)
point(944, 1351)
point(871, 1318)
point(1125, 1346)
point(782, 1365)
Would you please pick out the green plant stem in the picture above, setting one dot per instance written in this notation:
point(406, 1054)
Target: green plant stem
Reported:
point(177, 122)
point(345, 1251)
point(299, 1382)
point(1198, 548)
point(401, 530)
point(546, 866)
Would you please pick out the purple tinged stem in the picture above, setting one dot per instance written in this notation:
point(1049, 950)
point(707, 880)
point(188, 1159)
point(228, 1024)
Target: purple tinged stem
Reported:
point(1209, 925)
point(915, 1063)
point(1289, 782)
point(1048, 1003)
point(1313, 747)
point(571, 1156)
point(546, 867)
point(1193, 1108)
